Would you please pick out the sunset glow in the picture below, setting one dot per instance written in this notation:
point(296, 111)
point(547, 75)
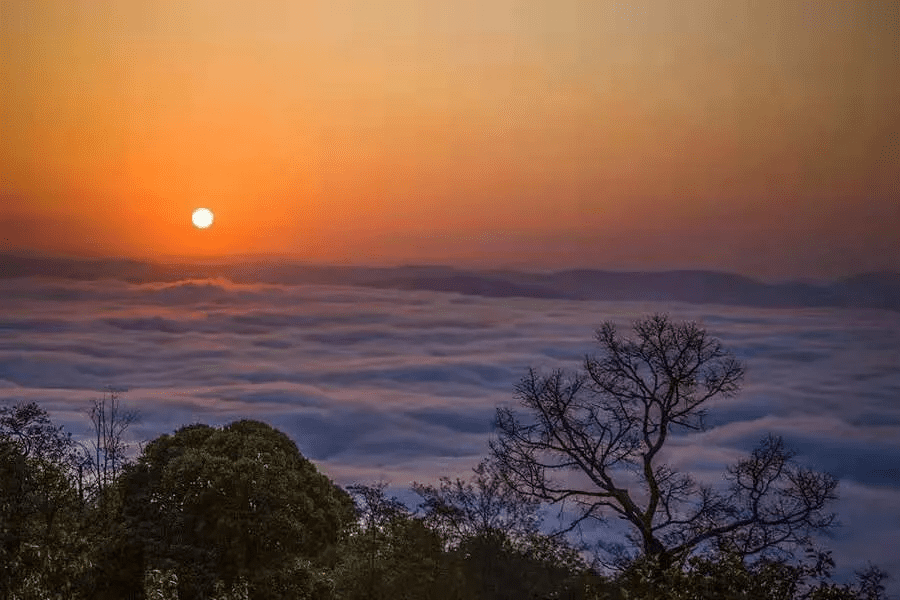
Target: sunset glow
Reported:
point(290, 291)
point(760, 138)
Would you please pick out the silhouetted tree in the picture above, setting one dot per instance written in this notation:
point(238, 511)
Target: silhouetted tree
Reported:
point(109, 450)
point(29, 427)
point(238, 513)
point(391, 553)
point(464, 509)
point(593, 441)
point(727, 575)
point(492, 532)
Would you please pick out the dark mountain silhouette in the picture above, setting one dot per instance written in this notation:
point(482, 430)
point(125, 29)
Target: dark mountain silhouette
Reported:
point(869, 290)
point(875, 290)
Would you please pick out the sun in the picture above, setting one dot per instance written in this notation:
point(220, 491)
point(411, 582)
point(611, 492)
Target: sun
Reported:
point(202, 218)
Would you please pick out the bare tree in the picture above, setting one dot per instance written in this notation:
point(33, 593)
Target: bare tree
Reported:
point(608, 424)
point(466, 509)
point(109, 450)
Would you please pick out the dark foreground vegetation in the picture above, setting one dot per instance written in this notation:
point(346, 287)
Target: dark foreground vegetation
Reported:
point(237, 511)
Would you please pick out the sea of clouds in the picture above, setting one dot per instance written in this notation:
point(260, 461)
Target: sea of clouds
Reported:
point(402, 386)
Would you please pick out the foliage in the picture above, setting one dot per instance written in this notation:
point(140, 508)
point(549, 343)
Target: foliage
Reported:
point(390, 553)
point(42, 548)
point(28, 427)
point(609, 424)
point(494, 567)
point(727, 575)
point(485, 504)
point(492, 532)
point(221, 504)
point(237, 512)
point(393, 553)
point(160, 585)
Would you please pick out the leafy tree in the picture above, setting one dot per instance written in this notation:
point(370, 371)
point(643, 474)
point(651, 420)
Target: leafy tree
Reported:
point(492, 531)
point(494, 567)
point(160, 585)
point(391, 554)
point(43, 553)
point(727, 575)
point(221, 505)
point(29, 427)
point(458, 549)
point(594, 442)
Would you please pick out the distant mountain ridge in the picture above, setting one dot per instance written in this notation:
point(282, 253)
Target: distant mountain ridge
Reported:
point(868, 290)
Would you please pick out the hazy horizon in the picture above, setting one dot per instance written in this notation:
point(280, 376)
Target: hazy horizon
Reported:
point(276, 258)
point(760, 139)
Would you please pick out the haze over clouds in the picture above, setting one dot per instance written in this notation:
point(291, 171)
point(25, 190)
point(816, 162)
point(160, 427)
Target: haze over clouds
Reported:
point(402, 385)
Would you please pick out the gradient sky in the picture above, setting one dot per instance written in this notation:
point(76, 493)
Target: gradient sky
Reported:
point(758, 137)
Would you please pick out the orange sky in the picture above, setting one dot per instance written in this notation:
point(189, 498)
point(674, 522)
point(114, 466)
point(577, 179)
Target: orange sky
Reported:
point(758, 137)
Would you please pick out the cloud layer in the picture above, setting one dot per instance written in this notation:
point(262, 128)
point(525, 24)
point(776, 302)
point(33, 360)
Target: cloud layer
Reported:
point(402, 385)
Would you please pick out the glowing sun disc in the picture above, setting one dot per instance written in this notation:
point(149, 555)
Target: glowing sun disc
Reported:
point(202, 218)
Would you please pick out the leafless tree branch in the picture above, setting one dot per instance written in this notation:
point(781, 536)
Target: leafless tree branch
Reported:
point(611, 421)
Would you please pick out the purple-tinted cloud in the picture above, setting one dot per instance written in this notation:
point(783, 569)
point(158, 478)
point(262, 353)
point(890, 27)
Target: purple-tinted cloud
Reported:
point(402, 385)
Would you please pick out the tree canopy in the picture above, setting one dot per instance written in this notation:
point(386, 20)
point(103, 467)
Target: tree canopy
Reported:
point(227, 503)
point(41, 549)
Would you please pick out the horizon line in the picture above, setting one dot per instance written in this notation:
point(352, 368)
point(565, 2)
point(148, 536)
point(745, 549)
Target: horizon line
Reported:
point(286, 258)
